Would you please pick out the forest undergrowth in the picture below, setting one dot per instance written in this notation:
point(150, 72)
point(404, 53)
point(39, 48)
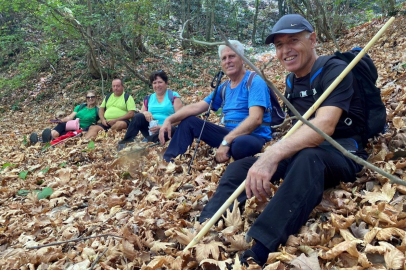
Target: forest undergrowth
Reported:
point(131, 210)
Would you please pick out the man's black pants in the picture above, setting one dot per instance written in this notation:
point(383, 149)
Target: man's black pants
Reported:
point(306, 175)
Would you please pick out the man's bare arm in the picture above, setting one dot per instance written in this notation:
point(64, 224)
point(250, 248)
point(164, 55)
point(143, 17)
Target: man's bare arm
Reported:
point(257, 182)
point(248, 125)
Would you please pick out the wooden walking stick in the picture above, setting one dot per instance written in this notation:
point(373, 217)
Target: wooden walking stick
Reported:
point(309, 112)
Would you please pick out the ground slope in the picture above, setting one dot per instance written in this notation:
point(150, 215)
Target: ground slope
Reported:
point(133, 211)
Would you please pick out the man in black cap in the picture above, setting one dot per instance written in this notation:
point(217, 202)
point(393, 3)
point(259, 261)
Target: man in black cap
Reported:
point(306, 163)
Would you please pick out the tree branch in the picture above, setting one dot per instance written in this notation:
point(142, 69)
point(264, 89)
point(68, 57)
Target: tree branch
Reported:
point(74, 240)
point(98, 259)
point(344, 151)
point(197, 41)
point(76, 25)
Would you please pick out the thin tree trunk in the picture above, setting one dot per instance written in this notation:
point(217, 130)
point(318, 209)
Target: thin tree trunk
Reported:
point(92, 63)
point(281, 7)
point(391, 7)
point(210, 19)
point(186, 16)
point(254, 30)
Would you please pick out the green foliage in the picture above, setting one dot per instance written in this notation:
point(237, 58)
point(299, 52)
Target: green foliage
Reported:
point(37, 36)
point(44, 171)
point(125, 175)
point(25, 141)
point(90, 146)
point(62, 165)
point(41, 194)
point(40, 182)
point(46, 146)
point(219, 112)
point(25, 192)
point(45, 193)
point(7, 165)
point(15, 107)
point(23, 175)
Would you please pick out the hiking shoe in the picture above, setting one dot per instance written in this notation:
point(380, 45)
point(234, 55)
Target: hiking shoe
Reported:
point(246, 256)
point(46, 135)
point(121, 146)
point(125, 141)
point(33, 138)
point(249, 255)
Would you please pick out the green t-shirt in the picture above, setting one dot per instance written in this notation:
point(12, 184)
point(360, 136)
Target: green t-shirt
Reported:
point(87, 116)
point(117, 107)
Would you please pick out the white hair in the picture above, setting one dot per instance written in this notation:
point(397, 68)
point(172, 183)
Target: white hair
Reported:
point(307, 34)
point(236, 44)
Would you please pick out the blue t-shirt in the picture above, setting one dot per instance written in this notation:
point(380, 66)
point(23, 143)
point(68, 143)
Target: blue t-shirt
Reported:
point(160, 111)
point(238, 101)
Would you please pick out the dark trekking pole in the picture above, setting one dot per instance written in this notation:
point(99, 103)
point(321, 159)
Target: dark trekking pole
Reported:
point(215, 83)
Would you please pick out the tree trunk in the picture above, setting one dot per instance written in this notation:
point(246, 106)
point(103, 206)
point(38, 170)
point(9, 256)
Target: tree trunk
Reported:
point(210, 20)
point(185, 16)
point(391, 8)
point(92, 62)
point(281, 7)
point(254, 30)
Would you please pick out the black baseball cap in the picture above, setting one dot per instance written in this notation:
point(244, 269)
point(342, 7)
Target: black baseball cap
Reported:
point(289, 24)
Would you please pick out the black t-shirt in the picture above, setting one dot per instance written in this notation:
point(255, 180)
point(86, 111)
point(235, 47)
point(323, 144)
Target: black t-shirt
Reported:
point(343, 96)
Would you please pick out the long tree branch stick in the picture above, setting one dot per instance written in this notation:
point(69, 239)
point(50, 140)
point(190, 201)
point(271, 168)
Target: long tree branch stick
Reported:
point(98, 259)
point(197, 41)
point(74, 240)
point(303, 119)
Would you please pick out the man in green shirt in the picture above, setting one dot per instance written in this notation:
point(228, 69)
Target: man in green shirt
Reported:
point(115, 112)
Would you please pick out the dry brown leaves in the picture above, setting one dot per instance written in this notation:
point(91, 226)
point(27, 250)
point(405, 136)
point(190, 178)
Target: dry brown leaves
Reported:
point(154, 206)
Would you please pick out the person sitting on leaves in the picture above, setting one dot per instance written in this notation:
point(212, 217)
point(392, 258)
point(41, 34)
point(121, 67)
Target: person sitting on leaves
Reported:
point(245, 113)
point(305, 161)
point(115, 111)
point(157, 106)
point(87, 113)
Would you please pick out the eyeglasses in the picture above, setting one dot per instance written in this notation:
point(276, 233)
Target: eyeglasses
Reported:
point(91, 97)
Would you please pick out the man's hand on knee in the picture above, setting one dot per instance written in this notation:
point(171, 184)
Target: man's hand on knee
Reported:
point(258, 178)
point(222, 153)
point(166, 127)
point(111, 123)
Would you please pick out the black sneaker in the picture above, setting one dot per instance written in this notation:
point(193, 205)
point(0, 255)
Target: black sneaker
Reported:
point(33, 138)
point(246, 256)
point(121, 146)
point(249, 255)
point(46, 135)
point(125, 141)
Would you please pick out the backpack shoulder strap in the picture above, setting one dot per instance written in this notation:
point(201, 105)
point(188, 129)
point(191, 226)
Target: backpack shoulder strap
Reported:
point(97, 114)
point(146, 100)
point(170, 96)
point(223, 92)
point(106, 99)
point(288, 90)
point(317, 69)
point(126, 97)
point(289, 85)
point(82, 106)
point(250, 79)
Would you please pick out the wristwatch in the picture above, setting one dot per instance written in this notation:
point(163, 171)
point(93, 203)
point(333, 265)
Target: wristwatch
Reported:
point(225, 143)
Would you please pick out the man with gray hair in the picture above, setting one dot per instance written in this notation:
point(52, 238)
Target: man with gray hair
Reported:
point(246, 114)
point(305, 161)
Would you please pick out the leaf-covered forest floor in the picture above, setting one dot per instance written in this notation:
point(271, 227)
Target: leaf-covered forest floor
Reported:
point(141, 212)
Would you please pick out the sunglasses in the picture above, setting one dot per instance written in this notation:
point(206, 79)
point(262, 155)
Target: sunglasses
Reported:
point(91, 97)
